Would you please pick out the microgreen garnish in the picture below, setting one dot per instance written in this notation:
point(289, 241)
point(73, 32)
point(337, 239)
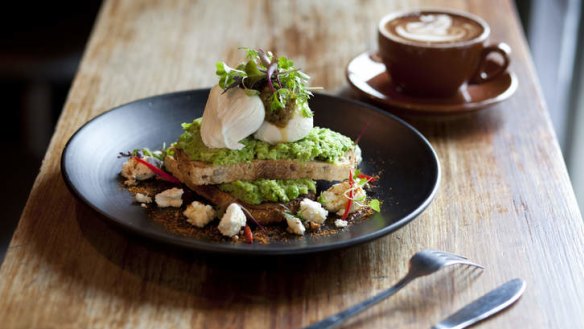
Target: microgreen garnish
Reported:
point(159, 172)
point(349, 196)
point(250, 216)
point(265, 71)
point(363, 129)
point(375, 205)
point(358, 180)
point(140, 153)
point(158, 159)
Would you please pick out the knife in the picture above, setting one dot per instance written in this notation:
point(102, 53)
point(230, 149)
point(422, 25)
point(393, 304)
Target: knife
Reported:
point(487, 305)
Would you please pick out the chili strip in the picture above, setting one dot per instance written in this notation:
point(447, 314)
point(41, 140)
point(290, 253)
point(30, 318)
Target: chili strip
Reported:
point(159, 172)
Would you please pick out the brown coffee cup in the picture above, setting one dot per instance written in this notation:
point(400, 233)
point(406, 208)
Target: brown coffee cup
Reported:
point(436, 53)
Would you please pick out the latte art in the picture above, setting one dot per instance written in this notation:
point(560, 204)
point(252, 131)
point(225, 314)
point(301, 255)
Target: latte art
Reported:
point(434, 28)
point(431, 28)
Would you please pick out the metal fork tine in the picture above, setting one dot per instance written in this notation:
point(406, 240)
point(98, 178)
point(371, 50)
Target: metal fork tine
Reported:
point(447, 254)
point(454, 258)
point(473, 264)
point(422, 263)
point(465, 262)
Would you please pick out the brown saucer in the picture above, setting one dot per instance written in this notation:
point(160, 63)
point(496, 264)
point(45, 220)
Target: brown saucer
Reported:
point(367, 75)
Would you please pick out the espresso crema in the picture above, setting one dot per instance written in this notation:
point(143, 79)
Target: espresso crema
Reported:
point(434, 28)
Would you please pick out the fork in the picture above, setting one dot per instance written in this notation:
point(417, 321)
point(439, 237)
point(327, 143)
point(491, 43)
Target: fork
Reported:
point(422, 263)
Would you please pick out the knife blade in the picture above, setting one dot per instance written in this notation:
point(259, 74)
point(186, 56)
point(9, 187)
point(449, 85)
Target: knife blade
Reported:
point(485, 306)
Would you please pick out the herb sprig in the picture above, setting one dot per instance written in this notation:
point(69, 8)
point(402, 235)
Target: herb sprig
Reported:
point(154, 160)
point(158, 155)
point(264, 70)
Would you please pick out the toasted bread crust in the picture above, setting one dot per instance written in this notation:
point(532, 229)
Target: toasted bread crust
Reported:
point(194, 173)
point(201, 178)
point(265, 213)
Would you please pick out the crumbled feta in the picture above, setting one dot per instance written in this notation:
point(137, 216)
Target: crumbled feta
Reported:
point(199, 214)
point(133, 170)
point(169, 198)
point(358, 156)
point(334, 199)
point(312, 211)
point(142, 198)
point(295, 225)
point(341, 223)
point(232, 221)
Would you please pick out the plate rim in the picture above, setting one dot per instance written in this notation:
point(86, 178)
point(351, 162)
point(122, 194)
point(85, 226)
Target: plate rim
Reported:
point(254, 250)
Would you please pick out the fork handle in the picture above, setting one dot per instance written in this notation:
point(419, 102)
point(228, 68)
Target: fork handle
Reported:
point(336, 320)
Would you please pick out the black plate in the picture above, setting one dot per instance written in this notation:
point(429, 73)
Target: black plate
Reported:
point(407, 163)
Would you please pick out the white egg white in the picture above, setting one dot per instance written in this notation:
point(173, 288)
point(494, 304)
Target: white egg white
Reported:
point(297, 128)
point(230, 117)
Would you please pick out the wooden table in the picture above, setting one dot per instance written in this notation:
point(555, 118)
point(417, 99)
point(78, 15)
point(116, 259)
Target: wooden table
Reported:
point(505, 199)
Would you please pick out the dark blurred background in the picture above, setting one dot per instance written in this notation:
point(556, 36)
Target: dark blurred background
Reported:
point(41, 44)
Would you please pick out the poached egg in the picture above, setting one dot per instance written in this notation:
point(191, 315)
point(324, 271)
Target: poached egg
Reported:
point(230, 117)
point(297, 128)
point(233, 115)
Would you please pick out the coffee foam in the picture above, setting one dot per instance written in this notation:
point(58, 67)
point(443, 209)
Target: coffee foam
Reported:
point(431, 28)
point(435, 28)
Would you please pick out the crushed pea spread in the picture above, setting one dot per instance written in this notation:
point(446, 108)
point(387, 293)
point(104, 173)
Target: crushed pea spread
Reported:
point(269, 190)
point(321, 144)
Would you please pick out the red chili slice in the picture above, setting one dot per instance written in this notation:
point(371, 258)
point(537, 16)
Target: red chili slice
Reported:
point(361, 132)
point(159, 172)
point(367, 177)
point(248, 234)
point(350, 201)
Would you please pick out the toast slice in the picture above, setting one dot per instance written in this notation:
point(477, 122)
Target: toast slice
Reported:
point(265, 213)
point(195, 173)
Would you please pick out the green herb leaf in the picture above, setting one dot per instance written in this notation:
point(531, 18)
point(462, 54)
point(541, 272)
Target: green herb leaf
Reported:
point(289, 83)
point(279, 99)
point(375, 205)
point(305, 110)
point(285, 63)
point(227, 74)
point(253, 74)
point(251, 54)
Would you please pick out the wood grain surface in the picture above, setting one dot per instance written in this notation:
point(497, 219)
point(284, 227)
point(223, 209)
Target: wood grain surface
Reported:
point(505, 199)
